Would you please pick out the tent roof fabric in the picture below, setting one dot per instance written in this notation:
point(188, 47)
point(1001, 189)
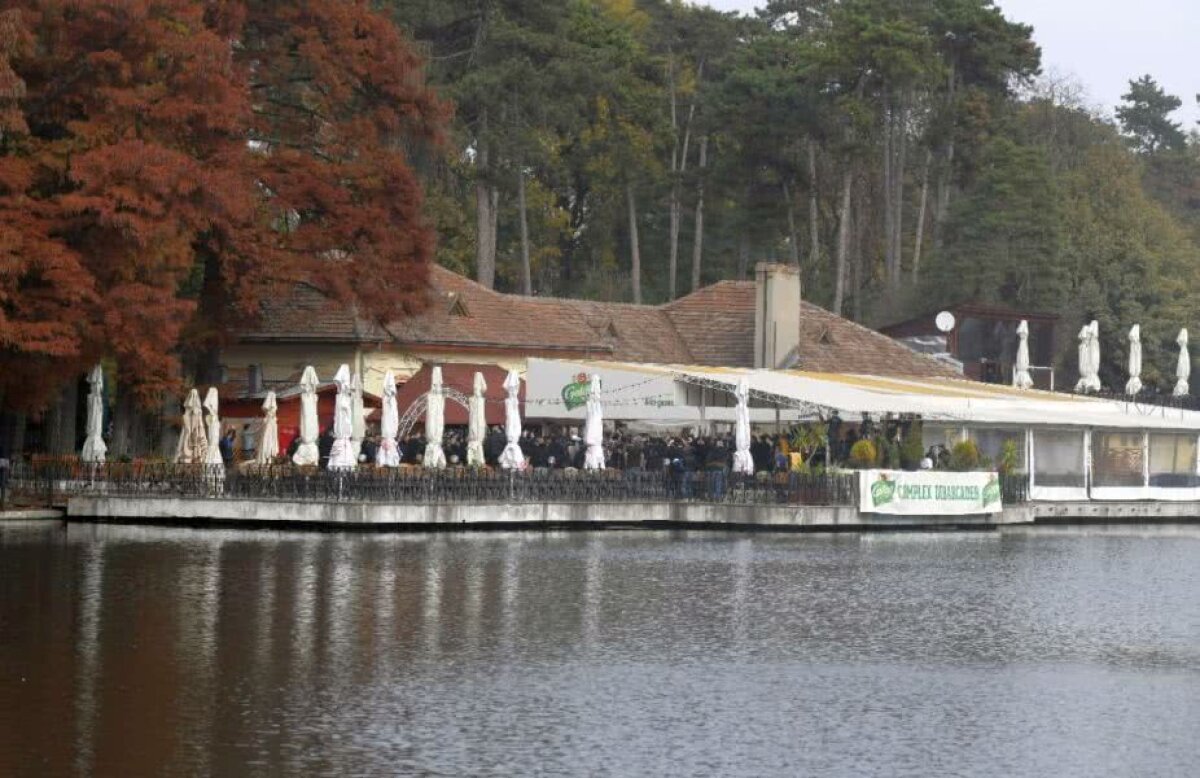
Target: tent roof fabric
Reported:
point(712, 326)
point(931, 398)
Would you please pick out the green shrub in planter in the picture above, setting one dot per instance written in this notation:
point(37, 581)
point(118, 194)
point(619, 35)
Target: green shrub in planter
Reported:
point(964, 456)
point(911, 452)
point(863, 455)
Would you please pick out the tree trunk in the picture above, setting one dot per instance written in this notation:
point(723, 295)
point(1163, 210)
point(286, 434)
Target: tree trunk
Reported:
point(843, 244)
point(917, 243)
point(889, 213)
point(526, 269)
point(861, 223)
point(679, 158)
point(793, 236)
point(900, 148)
point(698, 239)
point(635, 255)
point(941, 205)
point(814, 215)
point(485, 235)
point(743, 254)
point(60, 426)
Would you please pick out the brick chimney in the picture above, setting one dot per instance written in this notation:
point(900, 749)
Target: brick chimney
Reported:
point(776, 313)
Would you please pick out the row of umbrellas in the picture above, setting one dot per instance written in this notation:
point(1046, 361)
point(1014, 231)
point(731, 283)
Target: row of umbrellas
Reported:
point(200, 434)
point(1089, 360)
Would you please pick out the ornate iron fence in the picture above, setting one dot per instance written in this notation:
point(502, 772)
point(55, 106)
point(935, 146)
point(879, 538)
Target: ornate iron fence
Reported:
point(50, 482)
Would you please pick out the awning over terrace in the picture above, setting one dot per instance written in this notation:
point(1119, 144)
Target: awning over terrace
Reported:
point(689, 392)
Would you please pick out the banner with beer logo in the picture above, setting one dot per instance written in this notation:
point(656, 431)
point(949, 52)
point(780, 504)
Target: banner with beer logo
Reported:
point(928, 493)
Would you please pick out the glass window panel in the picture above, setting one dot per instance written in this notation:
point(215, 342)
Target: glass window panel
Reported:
point(1117, 459)
point(990, 441)
point(1058, 458)
point(1173, 460)
point(934, 436)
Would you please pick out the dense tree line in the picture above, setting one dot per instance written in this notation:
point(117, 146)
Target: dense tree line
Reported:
point(903, 154)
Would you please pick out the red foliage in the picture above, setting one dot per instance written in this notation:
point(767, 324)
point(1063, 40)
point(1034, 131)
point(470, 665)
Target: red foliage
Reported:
point(135, 217)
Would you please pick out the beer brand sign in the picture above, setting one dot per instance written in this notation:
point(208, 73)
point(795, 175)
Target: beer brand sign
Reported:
point(928, 493)
point(575, 394)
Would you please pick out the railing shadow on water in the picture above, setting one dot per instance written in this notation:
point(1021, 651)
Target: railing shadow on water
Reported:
point(53, 481)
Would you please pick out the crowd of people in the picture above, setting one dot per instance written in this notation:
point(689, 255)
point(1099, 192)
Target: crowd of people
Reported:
point(561, 448)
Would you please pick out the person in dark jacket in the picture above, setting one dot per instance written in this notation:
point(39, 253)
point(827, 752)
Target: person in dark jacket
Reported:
point(226, 447)
point(324, 446)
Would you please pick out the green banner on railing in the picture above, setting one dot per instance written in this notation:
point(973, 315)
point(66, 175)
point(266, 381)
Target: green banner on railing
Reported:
point(929, 493)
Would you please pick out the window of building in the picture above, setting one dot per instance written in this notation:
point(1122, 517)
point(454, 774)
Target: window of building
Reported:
point(1058, 458)
point(1117, 459)
point(991, 440)
point(1173, 460)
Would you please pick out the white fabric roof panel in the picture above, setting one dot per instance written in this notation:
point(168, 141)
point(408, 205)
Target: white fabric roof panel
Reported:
point(935, 399)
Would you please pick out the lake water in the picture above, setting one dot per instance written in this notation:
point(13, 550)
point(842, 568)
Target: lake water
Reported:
point(140, 651)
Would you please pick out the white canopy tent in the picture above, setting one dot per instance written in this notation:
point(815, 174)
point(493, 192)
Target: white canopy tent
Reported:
point(307, 454)
point(512, 458)
point(1134, 384)
point(341, 455)
point(742, 461)
point(815, 395)
point(268, 448)
point(1021, 377)
point(93, 447)
point(435, 421)
point(1183, 365)
point(476, 421)
point(211, 405)
point(192, 448)
point(593, 427)
point(358, 417)
point(388, 453)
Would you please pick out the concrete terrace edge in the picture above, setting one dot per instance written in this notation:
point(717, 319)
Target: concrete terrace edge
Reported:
point(156, 510)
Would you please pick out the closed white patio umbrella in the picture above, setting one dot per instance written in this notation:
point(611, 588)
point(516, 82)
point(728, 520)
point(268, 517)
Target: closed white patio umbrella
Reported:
point(1094, 356)
point(268, 446)
point(341, 455)
point(593, 428)
point(435, 421)
point(212, 457)
point(1134, 384)
point(476, 422)
point(1183, 365)
point(192, 448)
point(358, 416)
point(742, 461)
point(1089, 359)
point(388, 453)
point(307, 454)
point(512, 458)
point(93, 446)
point(1021, 377)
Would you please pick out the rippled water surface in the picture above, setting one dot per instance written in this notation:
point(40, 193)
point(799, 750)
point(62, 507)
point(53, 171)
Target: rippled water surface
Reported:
point(131, 651)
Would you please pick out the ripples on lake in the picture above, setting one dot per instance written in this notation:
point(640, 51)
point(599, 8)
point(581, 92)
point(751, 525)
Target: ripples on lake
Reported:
point(131, 651)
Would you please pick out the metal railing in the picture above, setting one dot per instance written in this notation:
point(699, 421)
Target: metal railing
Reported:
point(52, 482)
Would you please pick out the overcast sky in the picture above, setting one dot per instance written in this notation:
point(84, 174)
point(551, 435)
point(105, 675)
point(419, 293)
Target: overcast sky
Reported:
point(1105, 43)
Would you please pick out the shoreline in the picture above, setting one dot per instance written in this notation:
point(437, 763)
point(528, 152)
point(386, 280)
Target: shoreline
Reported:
point(650, 515)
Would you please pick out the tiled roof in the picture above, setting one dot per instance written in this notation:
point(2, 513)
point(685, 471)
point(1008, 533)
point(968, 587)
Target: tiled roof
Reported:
point(713, 326)
point(307, 315)
point(463, 312)
point(717, 323)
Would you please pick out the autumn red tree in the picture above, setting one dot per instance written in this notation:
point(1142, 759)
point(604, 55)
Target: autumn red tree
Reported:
point(166, 163)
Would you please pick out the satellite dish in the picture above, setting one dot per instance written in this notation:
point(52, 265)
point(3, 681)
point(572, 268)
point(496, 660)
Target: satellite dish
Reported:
point(944, 321)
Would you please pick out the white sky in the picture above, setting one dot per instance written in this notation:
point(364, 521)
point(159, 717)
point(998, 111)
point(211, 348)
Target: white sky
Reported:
point(1105, 43)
